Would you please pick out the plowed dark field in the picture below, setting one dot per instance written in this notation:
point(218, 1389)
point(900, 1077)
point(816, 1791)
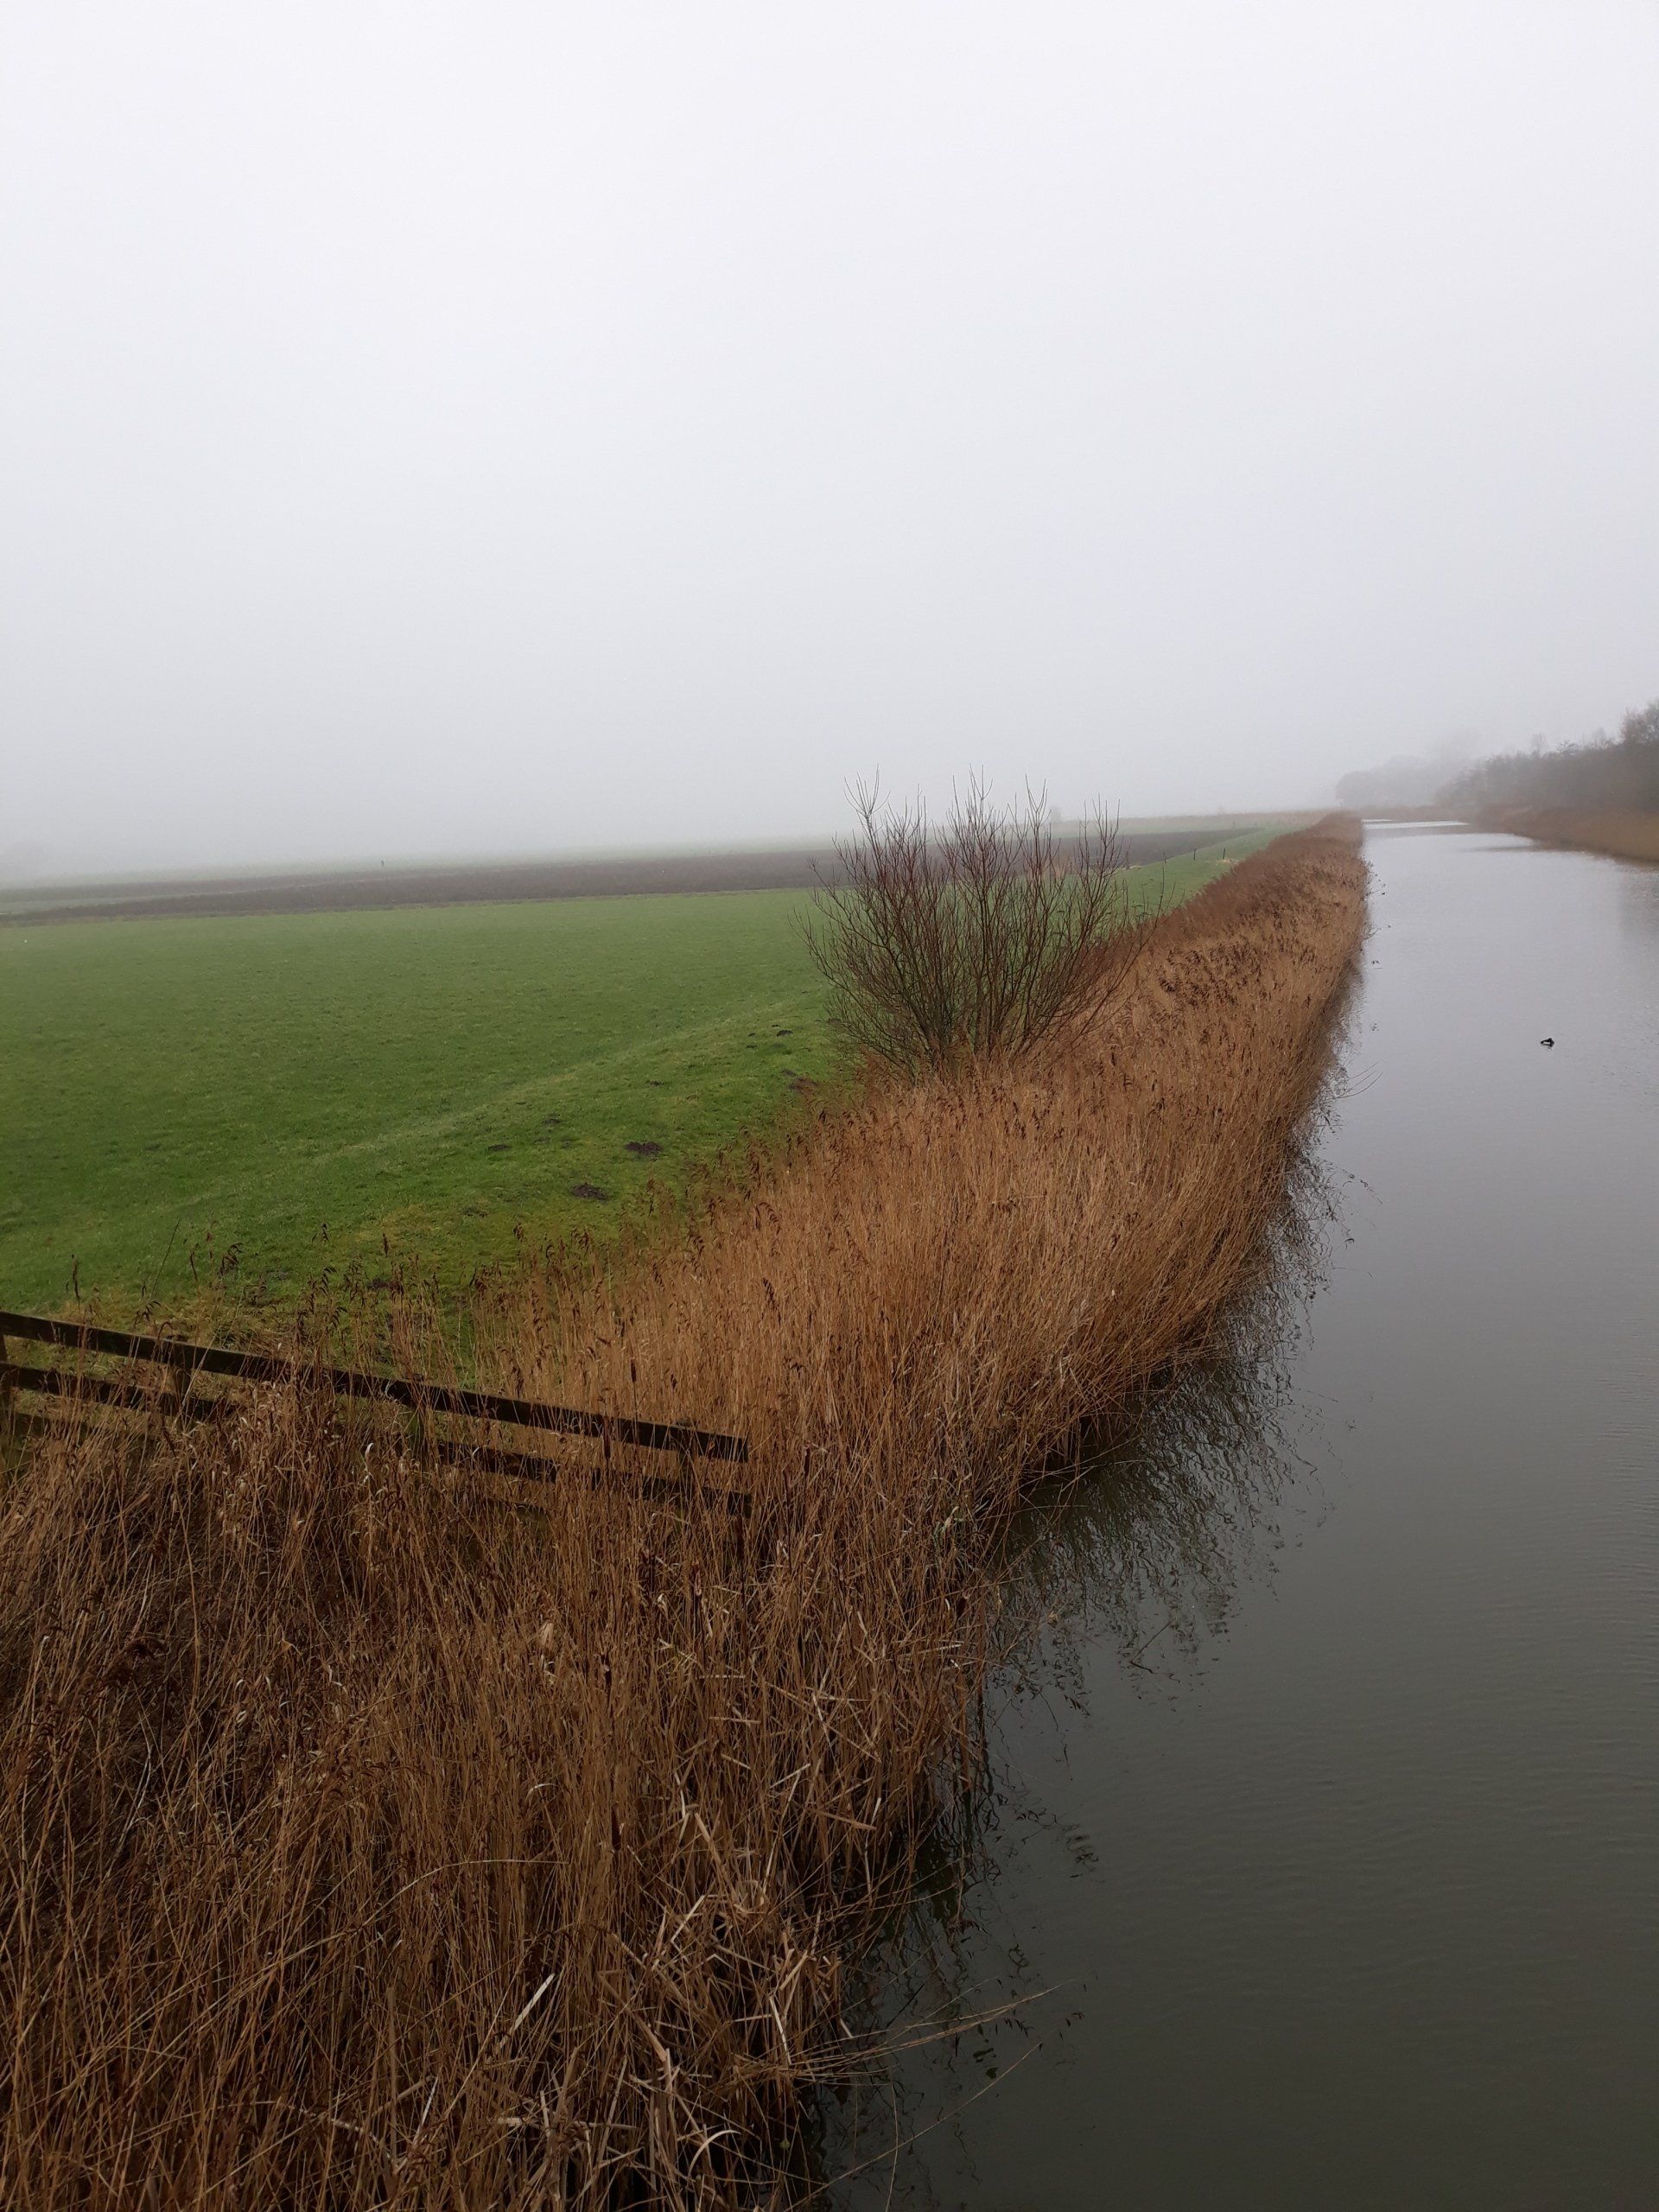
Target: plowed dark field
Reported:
point(343, 890)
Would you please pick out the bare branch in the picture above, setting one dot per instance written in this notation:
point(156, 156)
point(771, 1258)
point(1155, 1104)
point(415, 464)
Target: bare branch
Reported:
point(988, 937)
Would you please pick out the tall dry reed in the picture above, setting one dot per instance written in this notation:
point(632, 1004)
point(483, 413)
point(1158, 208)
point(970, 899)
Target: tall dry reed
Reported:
point(367, 1843)
point(1626, 835)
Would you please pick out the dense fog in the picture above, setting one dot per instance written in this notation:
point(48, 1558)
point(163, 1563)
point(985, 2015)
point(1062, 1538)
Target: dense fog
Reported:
point(437, 428)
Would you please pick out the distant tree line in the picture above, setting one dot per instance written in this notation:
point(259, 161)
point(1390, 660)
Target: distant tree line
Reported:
point(1600, 774)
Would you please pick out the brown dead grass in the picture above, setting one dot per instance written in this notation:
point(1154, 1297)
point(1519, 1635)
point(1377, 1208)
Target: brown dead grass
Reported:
point(367, 1844)
point(1627, 836)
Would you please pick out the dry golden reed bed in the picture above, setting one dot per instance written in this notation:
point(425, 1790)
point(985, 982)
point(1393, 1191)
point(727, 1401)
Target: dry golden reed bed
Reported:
point(1627, 834)
point(369, 1844)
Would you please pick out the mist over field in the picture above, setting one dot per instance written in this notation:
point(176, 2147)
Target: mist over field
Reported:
point(429, 429)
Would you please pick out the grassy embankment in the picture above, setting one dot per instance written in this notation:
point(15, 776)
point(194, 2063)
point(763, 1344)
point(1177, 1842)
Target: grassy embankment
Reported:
point(1626, 835)
point(366, 1845)
point(317, 1088)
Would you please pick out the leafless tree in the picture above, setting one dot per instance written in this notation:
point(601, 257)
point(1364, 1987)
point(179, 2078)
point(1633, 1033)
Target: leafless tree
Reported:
point(991, 934)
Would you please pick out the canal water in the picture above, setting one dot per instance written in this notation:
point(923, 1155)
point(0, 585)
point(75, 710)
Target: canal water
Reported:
point(1317, 1864)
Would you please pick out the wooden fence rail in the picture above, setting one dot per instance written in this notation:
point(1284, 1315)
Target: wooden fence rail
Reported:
point(187, 1361)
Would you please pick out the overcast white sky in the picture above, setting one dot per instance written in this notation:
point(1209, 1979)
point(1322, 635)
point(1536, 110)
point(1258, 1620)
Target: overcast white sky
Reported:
point(473, 424)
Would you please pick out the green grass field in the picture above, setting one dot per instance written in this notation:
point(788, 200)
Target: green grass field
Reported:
point(312, 1088)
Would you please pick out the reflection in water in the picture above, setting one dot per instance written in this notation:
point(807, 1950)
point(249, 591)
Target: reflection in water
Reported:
point(1638, 906)
point(1143, 1554)
point(1315, 1852)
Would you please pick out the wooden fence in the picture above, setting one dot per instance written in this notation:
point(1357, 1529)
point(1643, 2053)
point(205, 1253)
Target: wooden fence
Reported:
point(76, 1388)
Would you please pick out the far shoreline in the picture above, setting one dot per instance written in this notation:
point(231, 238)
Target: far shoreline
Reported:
point(1622, 834)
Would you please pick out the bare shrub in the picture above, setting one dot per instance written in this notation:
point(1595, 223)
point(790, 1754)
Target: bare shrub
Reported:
point(984, 936)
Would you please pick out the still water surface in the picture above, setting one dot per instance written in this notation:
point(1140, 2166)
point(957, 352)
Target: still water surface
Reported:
point(1322, 1834)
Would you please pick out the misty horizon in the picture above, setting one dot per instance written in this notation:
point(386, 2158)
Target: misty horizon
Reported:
point(28, 870)
point(449, 434)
